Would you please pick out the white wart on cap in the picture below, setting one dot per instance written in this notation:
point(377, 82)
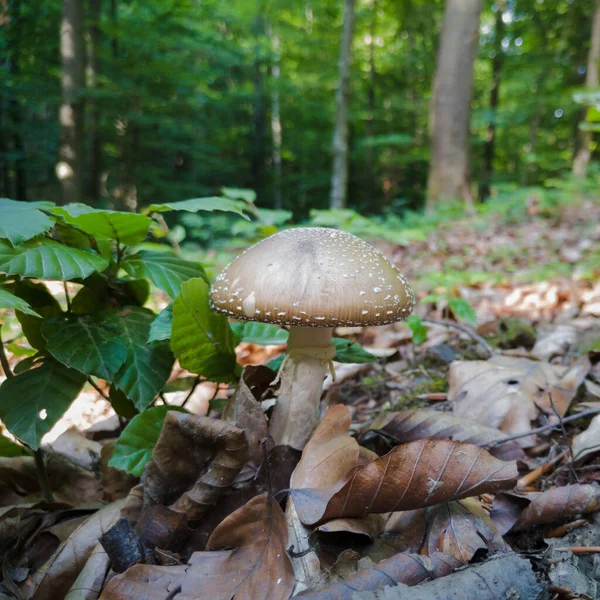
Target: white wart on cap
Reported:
point(313, 277)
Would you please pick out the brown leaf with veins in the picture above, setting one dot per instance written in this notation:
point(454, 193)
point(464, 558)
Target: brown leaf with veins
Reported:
point(329, 454)
point(409, 569)
point(411, 425)
point(411, 476)
point(194, 460)
point(249, 561)
point(507, 392)
point(559, 504)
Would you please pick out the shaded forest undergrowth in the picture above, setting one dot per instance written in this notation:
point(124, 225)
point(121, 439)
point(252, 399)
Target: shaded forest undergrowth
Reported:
point(500, 365)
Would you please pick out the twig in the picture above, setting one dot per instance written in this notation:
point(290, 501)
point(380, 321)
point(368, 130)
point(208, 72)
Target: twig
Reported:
point(4, 359)
point(562, 530)
point(191, 392)
point(579, 549)
point(567, 441)
point(465, 329)
point(584, 413)
point(67, 297)
point(534, 475)
point(98, 389)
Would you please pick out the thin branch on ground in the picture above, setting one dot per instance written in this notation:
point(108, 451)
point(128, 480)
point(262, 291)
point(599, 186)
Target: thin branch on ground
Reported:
point(98, 389)
point(191, 392)
point(585, 413)
point(67, 297)
point(566, 439)
point(465, 329)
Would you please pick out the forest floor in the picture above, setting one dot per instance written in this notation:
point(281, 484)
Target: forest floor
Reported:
point(523, 366)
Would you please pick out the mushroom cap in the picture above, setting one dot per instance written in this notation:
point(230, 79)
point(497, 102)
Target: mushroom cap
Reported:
point(313, 277)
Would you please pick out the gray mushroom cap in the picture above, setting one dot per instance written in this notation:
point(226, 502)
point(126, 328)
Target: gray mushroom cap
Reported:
point(313, 277)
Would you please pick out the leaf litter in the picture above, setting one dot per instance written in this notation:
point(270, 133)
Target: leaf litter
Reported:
point(412, 466)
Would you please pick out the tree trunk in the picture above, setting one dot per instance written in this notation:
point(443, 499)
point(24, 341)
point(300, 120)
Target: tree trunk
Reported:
point(490, 136)
point(258, 143)
point(93, 69)
point(114, 42)
point(582, 158)
point(276, 123)
point(339, 178)
point(70, 166)
point(450, 113)
point(370, 124)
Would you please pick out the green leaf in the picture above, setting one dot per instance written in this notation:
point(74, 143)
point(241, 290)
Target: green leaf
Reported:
point(202, 339)
point(121, 404)
point(43, 302)
point(8, 448)
point(239, 194)
point(165, 271)
point(127, 228)
point(160, 328)
point(351, 352)
point(419, 331)
point(276, 363)
point(147, 366)
point(20, 221)
point(31, 403)
point(203, 204)
point(8, 300)
point(47, 259)
point(462, 310)
point(593, 127)
point(86, 343)
point(134, 447)
point(264, 334)
point(98, 294)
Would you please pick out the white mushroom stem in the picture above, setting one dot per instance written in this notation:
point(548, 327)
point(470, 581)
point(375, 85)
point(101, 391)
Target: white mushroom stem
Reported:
point(296, 413)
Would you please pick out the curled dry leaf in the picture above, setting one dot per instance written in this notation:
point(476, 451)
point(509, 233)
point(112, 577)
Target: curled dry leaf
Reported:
point(408, 569)
point(559, 504)
point(506, 392)
point(587, 442)
point(245, 411)
point(178, 473)
point(414, 475)
point(411, 425)
point(249, 561)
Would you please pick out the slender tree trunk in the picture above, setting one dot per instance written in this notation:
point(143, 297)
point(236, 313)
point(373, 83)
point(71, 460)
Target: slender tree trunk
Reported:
point(370, 124)
point(582, 158)
point(114, 42)
point(18, 147)
point(276, 123)
point(258, 143)
point(450, 113)
point(70, 166)
point(93, 69)
point(490, 136)
point(339, 178)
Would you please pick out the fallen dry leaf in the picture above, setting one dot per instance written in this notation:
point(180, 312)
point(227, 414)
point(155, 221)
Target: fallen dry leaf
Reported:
point(457, 528)
point(178, 473)
point(587, 442)
point(409, 569)
point(329, 454)
point(411, 425)
point(256, 567)
point(556, 343)
point(425, 472)
point(245, 411)
point(559, 504)
point(506, 392)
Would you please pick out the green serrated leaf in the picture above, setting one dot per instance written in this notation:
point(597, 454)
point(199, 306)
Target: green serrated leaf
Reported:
point(203, 204)
point(419, 331)
point(165, 271)
point(147, 366)
point(127, 228)
point(202, 339)
point(264, 334)
point(239, 194)
point(121, 404)
point(32, 402)
point(8, 448)
point(351, 352)
point(46, 259)
point(160, 328)
point(8, 300)
point(463, 310)
point(90, 344)
point(21, 221)
point(43, 302)
point(134, 447)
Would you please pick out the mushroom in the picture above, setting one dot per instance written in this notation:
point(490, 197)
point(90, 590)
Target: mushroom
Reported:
point(311, 279)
